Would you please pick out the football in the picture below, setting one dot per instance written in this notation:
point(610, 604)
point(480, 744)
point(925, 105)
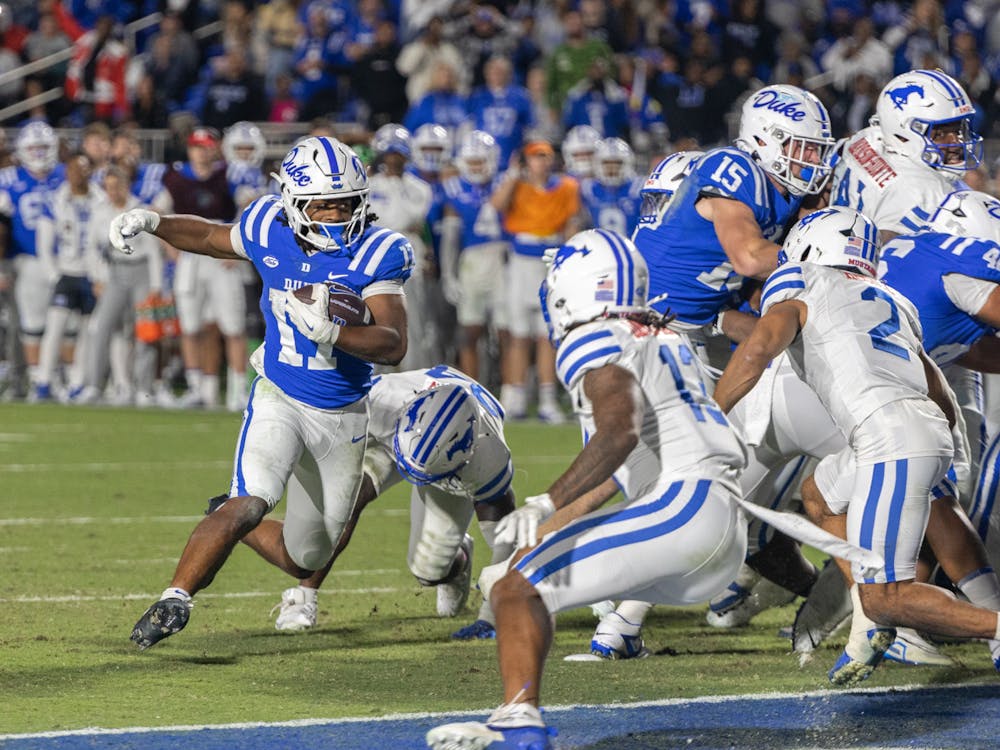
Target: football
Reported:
point(346, 306)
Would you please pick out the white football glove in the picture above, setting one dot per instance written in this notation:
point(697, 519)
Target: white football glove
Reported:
point(520, 527)
point(313, 318)
point(127, 225)
point(549, 255)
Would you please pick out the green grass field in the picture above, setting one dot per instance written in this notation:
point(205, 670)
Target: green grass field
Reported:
point(98, 503)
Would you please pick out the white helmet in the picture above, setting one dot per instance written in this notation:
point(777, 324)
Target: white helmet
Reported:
point(323, 168)
point(435, 434)
point(478, 157)
point(777, 124)
point(578, 150)
point(243, 143)
point(968, 213)
point(614, 162)
point(37, 147)
point(909, 108)
point(596, 272)
point(392, 138)
point(663, 182)
point(431, 147)
point(837, 236)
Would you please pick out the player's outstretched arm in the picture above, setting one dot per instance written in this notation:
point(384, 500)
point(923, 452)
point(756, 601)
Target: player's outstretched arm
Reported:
point(739, 234)
point(189, 233)
point(774, 333)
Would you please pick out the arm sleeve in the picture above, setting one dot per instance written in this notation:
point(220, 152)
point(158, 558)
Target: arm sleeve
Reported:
point(587, 348)
point(968, 294)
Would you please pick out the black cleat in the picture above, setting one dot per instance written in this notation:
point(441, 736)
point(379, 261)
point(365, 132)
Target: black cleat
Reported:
point(164, 618)
point(214, 503)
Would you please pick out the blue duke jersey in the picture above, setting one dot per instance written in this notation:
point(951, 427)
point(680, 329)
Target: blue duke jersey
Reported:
point(686, 261)
point(684, 434)
point(480, 220)
point(898, 194)
point(488, 474)
point(148, 183)
point(23, 198)
point(916, 265)
point(319, 375)
point(860, 346)
point(245, 182)
point(614, 207)
point(505, 114)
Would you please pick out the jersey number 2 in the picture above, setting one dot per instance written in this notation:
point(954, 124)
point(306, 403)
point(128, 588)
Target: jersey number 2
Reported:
point(881, 333)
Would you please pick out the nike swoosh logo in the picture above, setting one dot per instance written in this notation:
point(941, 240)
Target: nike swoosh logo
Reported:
point(334, 276)
point(359, 438)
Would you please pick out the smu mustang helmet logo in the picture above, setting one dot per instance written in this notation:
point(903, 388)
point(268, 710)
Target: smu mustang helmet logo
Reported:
point(902, 95)
point(463, 445)
point(775, 101)
point(296, 172)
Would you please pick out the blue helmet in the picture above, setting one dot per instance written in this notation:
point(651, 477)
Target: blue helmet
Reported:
point(392, 139)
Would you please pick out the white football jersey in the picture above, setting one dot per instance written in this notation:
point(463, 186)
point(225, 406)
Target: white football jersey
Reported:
point(895, 192)
point(684, 433)
point(488, 474)
point(401, 203)
point(860, 347)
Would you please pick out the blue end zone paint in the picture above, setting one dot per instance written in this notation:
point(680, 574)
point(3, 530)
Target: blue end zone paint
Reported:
point(965, 717)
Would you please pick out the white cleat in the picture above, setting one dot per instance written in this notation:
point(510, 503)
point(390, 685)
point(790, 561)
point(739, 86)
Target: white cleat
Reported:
point(825, 611)
point(513, 726)
point(452, 595)
point(617, 638)
point(911, 648)
point(738, 606)
point(296, 613)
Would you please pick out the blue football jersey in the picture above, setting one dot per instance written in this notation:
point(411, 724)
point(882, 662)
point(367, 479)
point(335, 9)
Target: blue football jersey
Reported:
point(506, 115)
point(612, 207)
point(480, 220)
point(148, 181)
point(319, 375)
point(245, 180)
point(24, 198)
point(685, 258)
point(916, 265)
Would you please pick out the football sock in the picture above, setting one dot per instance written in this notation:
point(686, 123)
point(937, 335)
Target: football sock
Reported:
point(175, 593)
point(857, 644)
point(209, 390)
point(982, 588)
point(633, 612)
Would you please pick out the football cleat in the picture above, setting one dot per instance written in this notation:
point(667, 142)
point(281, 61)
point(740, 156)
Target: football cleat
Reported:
point(163, 619)
point(296, 612)
point(454, 593)
point(737, 605)
point(617, 638)
point(825, 611)
point(480, 629)
point(853, 671)
point(911, 648)
point(513, 726)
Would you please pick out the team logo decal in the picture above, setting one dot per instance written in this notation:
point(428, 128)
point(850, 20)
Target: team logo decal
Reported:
point(775, 101)
point(270, 261)
point(902, 95)
point(296, 172)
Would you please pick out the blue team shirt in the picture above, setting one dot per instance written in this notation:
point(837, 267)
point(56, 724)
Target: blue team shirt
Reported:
point(480, 220)
point(506, 116)
point(608, 114)
point(440, 107)
point(148, 181)
point(324, 379)
point(612, 207)
point(685, 258)
point(29, 197)
point(916, 265)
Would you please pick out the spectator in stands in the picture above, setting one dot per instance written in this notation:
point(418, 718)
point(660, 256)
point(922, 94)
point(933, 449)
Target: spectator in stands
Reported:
point(377, 81)
point(482, 34)
point(95, 142)
point(599, 102)
point(234, 93)
point(442, 103)
point(527, 52)
point(47, 40)
point(569, 62)
point(180, 47)
point(684, 103)
point(13, 36)
point(361, 28)
point(319, 57)
point(546, 119)
point(418, 59)
point(922, 33)
point(748, 33)
point(149, 110)
point(95, 80)
point(277, 31)
point(855, 53)
point(723, 94)
point(539, 209)
point(284, 105)
point(502, 108)
point(793, 59)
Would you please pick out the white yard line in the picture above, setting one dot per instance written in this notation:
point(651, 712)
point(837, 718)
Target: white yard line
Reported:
point(74, 598)
point(413, 716)
point(83, 520)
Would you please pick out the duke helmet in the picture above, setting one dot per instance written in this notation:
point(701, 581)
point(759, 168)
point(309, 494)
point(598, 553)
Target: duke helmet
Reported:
point(968, 213)
point(578, 150)
point(243, 143)
point(321, 168)
point(435, 434)
point(909, 108)
point(595, 273)
point(614, 162)
point(431, 147)
point(837, 236)
point(37, 147)
point(663, 182)
point(779, 125)
point(392, 138)
point(478, 157)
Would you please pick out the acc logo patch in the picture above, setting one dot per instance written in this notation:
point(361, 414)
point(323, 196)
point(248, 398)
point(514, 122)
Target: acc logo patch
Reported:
point(270, 261)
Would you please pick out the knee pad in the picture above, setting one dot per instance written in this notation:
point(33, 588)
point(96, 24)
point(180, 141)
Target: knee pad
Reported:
point(434, 557)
